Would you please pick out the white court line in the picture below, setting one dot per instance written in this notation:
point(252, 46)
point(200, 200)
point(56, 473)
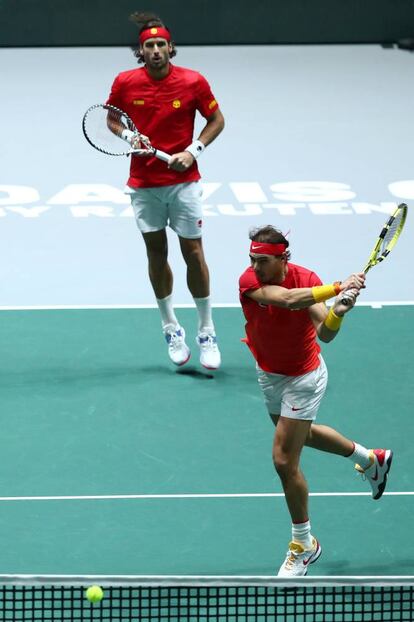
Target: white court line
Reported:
point(230, 305)
point(195, 496)
point(206, 580)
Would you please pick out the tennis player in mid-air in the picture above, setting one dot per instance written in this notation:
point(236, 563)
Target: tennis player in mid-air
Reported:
point(162, 100)
point(285, 311)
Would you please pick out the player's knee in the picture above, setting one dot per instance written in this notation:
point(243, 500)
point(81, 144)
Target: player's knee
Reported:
point(194, 257)
point(285, 465)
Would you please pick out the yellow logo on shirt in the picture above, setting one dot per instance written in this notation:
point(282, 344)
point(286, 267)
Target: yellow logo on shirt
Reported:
point(176, 103)
point(138, 102)
point(212, 104)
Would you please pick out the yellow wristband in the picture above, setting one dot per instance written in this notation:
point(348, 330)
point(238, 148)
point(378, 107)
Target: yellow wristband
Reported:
point(321, 293)
point(333, 321)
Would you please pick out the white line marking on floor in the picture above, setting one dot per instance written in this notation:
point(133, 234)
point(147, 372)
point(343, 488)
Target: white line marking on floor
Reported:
point(192, 496)
point(225, 305)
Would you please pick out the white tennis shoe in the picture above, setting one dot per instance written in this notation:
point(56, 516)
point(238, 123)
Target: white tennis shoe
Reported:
point(178, 350)
point(298, 559)
point(210, 356)
point(377, 472)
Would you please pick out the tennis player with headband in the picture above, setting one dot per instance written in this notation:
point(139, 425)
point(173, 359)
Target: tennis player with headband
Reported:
point(285, 311)
point(162, 100)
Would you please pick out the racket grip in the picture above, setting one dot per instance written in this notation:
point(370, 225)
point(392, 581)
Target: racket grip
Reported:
point(161, 155)
point(346, 300)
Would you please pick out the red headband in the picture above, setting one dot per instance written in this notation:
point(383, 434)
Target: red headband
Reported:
point(261, 248)
point(154, 32)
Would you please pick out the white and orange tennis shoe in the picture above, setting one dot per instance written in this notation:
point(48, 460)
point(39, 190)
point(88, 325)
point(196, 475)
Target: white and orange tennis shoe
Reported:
point(377, 472)
point(210, 356)
point(178, 350)
point(298, 559)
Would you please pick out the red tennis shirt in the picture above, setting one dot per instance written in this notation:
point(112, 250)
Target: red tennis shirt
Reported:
point(164, 110)
point(281, 341)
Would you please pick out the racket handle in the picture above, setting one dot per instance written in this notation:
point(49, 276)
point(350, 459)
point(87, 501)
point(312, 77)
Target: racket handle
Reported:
point(161, 155)
point(345, 300)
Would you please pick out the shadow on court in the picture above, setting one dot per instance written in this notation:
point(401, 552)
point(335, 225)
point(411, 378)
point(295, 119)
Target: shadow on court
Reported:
point(195, 373)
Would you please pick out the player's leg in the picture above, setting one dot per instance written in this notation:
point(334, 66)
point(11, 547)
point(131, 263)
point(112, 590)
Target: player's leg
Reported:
point(161, 278)
point(327, 439)
point(159, 270)
point(185, 214)
point(303, 549)
point(198, 278)
point(290, 437)
point(198, 282)
point(373, 464)
point(292, 428)
point(151, 218)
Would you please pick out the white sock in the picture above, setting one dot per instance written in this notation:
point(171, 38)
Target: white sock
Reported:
point(301, 533)
point(360, 456)
point(205, 319)
point(166, 308)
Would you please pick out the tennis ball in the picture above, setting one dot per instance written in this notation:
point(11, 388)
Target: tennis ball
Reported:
point(94, 594)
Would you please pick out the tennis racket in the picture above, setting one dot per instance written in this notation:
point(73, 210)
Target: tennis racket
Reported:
point(387, 239)
point(110, 130)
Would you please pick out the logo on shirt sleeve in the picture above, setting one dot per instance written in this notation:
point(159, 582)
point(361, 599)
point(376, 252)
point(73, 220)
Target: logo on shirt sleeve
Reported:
point(212, 104)
point(138, 102)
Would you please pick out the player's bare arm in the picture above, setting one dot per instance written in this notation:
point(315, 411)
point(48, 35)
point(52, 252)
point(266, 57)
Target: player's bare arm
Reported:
point(319, 314)
point(303, 297)
point(298, 298)
point(327, 322)
point(184, 159)
point(213, 127)
point(116, 126)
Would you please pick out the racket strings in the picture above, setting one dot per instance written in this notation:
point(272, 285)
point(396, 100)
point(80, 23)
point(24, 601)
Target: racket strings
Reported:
point(103, 128)
point(392, 231)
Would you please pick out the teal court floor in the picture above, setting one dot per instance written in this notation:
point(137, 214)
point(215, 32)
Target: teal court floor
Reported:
point(114, 462)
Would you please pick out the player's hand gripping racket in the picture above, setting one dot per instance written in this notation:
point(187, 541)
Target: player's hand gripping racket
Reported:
point(386, 241)
point(111, 131)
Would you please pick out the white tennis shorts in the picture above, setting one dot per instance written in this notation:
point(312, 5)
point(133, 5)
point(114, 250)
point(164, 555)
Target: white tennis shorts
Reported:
point(177, 206)
point(296, 397)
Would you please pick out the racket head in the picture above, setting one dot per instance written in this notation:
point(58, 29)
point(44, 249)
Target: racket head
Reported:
point(102, 125)
point(388, 237)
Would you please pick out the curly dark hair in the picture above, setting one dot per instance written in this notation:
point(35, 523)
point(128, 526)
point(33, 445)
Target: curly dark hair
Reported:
point(148, 20)
point(269, 235)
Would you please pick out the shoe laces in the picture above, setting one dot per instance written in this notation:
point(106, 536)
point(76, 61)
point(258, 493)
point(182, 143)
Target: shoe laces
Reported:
point(360, 472)
point(294, 551)
point(363, 471)
point(207, 342)
point(290, 561)
point(175, 339)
